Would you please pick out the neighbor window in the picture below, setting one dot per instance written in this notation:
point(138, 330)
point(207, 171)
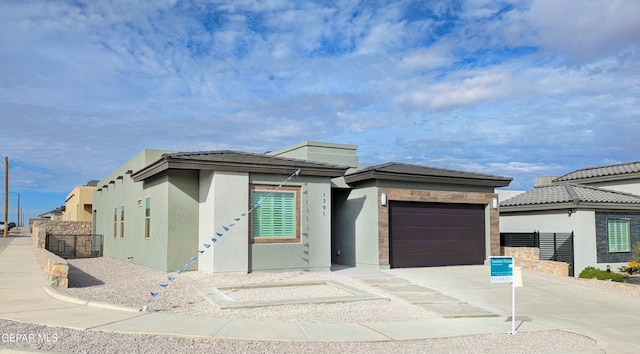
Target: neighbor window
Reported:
point(277, 218)
point(147, 218)
point(115, 222)
point(618, 232)
point(122, 221)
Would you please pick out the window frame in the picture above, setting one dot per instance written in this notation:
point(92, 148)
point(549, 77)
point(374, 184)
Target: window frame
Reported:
point(617, 244)
point(296, 191)
point(147, 218)
point(122, 221)
point(115, 222)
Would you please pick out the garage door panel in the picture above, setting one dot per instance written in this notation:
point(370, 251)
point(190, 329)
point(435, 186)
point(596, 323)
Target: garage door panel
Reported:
point(417, 260)
point(446, 220)
point(436, 234)
point(451, 246)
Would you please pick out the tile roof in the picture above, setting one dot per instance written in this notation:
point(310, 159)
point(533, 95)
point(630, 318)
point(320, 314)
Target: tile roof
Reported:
point(230, 156)
point(237, 161)
point(602, 171)
point(570, 193)
point(388, 170)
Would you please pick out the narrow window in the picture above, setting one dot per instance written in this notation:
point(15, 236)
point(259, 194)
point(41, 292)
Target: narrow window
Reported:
point(115, 222)
point(147, 218)
point(122, 221)
point(618, 233)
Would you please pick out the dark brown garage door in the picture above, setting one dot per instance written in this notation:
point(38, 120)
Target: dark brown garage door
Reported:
point(436, 234)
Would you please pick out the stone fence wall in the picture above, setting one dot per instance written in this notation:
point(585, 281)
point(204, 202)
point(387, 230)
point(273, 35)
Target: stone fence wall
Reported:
point(56, 269)
point(42, 227)
point(529, 258)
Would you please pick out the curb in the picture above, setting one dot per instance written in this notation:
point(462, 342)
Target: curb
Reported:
point(63, 297)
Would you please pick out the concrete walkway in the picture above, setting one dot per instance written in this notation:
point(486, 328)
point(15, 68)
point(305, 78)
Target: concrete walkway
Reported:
point(615, 325)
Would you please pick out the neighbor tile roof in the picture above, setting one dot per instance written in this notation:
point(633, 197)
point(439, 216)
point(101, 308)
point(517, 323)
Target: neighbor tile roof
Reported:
point(404, 171)
point(602, 171)
point(570, 193)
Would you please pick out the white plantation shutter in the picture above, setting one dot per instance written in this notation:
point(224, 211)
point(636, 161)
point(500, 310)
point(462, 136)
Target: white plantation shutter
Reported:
point(275, 216)
point(618, 232)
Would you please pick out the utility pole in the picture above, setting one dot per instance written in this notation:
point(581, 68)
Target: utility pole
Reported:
point(6, 195)
point(18, 224)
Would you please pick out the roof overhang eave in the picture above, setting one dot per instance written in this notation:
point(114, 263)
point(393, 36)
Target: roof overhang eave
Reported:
point(367, 175)
point(175, 164)
point(600, 179)
point(566, 206)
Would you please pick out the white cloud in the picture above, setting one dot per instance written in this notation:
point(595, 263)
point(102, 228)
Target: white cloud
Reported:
point(582, 32)
point(460, 90)
point(432, 57)
point(510, 87)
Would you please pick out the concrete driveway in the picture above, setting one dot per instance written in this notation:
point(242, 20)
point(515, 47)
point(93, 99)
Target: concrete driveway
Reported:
point(610, 318)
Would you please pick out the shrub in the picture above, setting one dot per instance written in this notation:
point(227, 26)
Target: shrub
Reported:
point(634, 263)
point(591, 272)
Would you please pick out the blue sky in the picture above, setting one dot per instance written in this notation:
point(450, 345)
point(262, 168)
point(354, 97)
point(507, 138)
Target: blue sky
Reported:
point(512, 88)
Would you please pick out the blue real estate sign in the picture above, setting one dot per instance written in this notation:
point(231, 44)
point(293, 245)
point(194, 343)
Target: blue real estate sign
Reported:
point(501, 269)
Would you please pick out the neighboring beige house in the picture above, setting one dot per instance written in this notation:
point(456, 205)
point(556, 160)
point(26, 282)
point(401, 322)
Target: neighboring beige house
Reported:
point(79, 203)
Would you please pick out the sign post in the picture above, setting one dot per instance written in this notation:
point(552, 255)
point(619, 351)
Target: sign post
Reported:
point(502, 271)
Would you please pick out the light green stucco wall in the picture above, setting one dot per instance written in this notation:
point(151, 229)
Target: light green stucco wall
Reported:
point(313, 253)
point(189, 207)
point(182, 215)
point(174, 215)
point(224, 196)
point(355, 230)
point(367, 251)
point(339, 154)
point(123, 191)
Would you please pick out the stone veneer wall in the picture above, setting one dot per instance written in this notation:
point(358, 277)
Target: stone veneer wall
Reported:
point(433, 197)
point(529, 258)
point(56, 269)
point(42, 227)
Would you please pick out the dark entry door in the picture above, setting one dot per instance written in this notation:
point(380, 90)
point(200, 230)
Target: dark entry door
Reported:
point(436, 234)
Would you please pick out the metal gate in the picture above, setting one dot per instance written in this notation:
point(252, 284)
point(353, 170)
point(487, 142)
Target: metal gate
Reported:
point(519, 239)
point(557, 246)
point(75, 246)
point(554, 246)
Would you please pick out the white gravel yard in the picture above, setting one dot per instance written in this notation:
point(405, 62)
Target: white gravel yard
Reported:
point(104, 279)
point(121, 283)
point(285, 292)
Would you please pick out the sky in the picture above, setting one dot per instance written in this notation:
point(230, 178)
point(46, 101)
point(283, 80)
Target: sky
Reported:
point(510, 88)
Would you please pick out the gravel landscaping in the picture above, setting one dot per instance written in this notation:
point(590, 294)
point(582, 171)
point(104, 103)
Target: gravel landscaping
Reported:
point(107, 280)
point(121, 283)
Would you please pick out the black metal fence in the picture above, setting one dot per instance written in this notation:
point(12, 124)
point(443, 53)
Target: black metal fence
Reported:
point(520, 239)
point(75, 246)
point(557, 246)
point(554, 246)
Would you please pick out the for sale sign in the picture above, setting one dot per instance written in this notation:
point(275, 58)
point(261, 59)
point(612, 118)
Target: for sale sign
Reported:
point(501, 269)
